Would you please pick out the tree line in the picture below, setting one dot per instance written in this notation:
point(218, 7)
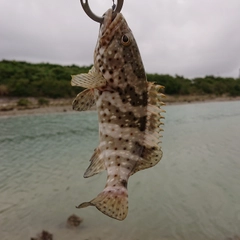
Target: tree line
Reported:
point(22, 79)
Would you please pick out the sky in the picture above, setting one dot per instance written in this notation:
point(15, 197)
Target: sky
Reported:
point(191, 38)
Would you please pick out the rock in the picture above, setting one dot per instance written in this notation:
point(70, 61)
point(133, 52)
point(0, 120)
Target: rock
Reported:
point(74, 221)
point(44, 235)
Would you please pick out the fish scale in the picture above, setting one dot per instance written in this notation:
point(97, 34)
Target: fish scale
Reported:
point(129, 114)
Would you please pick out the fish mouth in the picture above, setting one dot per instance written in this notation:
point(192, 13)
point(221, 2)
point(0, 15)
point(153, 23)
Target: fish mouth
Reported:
point(111, 20)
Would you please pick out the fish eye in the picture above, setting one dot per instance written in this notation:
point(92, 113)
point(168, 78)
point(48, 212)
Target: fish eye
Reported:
point(125, 40)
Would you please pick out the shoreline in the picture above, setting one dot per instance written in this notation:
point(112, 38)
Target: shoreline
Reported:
point(10, 107)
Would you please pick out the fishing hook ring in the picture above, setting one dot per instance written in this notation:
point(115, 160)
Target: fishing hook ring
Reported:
point(94, 17)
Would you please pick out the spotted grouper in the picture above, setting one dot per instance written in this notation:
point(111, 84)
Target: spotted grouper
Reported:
point(129, 113)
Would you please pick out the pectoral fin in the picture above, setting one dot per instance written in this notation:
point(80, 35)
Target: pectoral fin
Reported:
point(84, 100)
point(89, 80)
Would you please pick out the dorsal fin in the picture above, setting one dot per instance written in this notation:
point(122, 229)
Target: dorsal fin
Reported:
point(96, 165)
point(152, 152)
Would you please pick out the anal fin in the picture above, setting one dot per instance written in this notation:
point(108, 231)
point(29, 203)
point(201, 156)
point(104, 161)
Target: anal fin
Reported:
point(96, 165)
point(89, 80)
point(113, 202)
point(84, 100)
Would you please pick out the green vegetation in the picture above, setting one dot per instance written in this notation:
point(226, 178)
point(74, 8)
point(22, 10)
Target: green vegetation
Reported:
point(43, 80)
point(23, 102)
point(43, 102)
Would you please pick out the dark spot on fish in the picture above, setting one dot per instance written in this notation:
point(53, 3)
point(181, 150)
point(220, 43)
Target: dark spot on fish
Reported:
point(120, 139)
point(117, 111)
point(104, 114)
point(115, 148)
point(119, 77)
point(124, 100)
point(128, 159)
point(103, 71)
point(111, 80)
point(109, 120)
point(124, 148)
point(110, 59)
point(119, 164)
point(127, 140)
point(142, 122)
point(111, 71)
point(109, 104)
point(115, 175)
point(106, 135)
point(114, 185)
point(121, 125)
point(126, 79)
point(119, 118)
point(118, 156)
point(124, 183)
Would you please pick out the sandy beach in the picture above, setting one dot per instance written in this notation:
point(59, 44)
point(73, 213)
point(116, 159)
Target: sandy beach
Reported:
point(10, 107)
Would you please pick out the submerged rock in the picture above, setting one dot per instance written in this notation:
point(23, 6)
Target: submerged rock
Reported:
point(44, 235)
point(74, 221)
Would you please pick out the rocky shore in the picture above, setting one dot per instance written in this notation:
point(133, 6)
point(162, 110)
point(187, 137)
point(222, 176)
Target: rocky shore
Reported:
point(25, 106)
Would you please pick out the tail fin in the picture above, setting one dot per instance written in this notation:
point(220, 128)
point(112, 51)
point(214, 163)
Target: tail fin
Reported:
point(112, 201)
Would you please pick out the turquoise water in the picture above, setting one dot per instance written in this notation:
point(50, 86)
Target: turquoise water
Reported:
point(194, 193)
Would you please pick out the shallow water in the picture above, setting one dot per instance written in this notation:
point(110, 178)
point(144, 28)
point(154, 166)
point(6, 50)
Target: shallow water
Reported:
point(194, 193)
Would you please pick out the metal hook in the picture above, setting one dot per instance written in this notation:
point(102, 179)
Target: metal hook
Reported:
point(96, 18)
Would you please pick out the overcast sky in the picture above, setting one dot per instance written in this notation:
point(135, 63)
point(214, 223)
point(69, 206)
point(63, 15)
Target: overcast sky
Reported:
point(185, 37)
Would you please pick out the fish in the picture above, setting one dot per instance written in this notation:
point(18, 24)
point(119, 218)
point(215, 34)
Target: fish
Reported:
point(129, 113)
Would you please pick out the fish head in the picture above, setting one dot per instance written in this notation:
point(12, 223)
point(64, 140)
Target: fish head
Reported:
point(116, 53)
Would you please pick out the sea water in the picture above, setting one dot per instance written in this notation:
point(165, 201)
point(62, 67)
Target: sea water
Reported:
point(192, 194)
